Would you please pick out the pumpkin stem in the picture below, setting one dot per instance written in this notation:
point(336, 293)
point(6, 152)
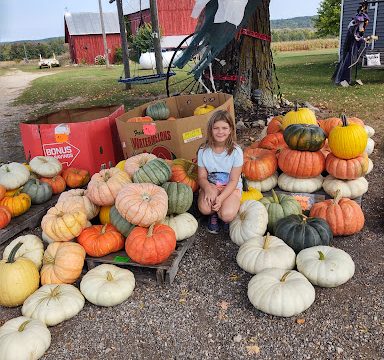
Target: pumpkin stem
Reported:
point(245, 183)
point(11, 257)
point(23, 325)
point(55, 291)
point(107, 176)
point(284, 277)
point(267, 239)
point(304, 217)
point(109, 276)
point(146, 197)
point(337, 197)
point(296, 106)
point(344, 120)
point(103, 229)
point(47, 259)
point(275, 197)
point(321, 255)
point(242, 216)
point(150, 230)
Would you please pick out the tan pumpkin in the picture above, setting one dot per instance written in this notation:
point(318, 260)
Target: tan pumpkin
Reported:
point(347, 169)
point(134, 163)
point(105, 185)
point(79, 197)
point(259, 164)
point(62, 263)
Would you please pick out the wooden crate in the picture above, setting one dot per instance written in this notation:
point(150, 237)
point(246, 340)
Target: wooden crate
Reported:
point(162, 273)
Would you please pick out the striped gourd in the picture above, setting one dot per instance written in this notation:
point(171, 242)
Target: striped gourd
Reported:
point(156, 171)
point(180, 197)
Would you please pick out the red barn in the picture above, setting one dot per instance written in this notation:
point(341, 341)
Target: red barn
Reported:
point(175, 19)
point(84, 36)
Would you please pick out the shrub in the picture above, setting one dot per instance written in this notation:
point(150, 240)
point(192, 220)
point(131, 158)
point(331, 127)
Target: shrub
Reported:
point(100, 60)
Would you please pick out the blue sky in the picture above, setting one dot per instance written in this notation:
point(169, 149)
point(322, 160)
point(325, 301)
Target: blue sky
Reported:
point(38, 19)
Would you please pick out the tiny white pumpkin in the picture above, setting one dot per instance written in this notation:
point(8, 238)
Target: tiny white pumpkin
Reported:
point(280, 292)
point(370, 146)
point(107, 285)
point(251, 220)
point(46, 166)
point(325, 266)
point(292, 184)
point(53, 304)
point(348, 188)
point(264, 185)
point(78, 196)
point(370, 166)
point(370, 130)
point(32, 249)
point(13, 175)
point(184, 225)
point(259, 253)
point(24, 338)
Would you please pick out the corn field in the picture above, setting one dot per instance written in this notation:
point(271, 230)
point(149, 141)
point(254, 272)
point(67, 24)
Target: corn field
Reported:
point(313, 44)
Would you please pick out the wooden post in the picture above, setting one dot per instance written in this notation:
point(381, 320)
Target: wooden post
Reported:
point(104, 36)
point(156, 36)
point(124, 42)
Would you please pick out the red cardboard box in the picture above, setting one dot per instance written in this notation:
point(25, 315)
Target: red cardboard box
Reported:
point(82, 138)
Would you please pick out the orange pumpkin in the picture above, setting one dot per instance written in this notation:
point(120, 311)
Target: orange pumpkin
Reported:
point(5, 217)
point(302, 164)
point(328, 124)
point(140, 119)
point(134, 163)
point(62, 263)
point(171, 118)
point(151, 246)
point(75, 178)
point(325, 149)
point(344, 216)
point(101, 240)
point(57, 183)
point(347, 169)
point(274, 125)
point(259, 164)
point(274, 142)
point(17, 202)
point(3, 190)
point(185, 171)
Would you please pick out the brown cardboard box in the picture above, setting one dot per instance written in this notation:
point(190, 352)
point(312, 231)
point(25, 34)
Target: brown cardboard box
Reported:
point(170, 139)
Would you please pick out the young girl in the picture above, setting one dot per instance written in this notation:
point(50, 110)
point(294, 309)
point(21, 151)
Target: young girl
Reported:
point(220, 162)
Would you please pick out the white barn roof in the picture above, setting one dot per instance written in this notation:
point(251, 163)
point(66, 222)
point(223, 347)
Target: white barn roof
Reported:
point(133, 6)
point(89, 23)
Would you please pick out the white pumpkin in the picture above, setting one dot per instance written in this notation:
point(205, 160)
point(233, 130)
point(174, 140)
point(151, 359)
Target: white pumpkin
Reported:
point(46, 166)
point(259, 253)
point(264, 185)
point(13, 175)
point(325, 266)
point(78, 196)
point(349, 188)
point(53, 304)
point(23, 338)
point(370, 146)
point(107, 285)
point(184, 225)
point(251, 220)
point(370, 130)
point(32, 249)
point(292, 184)
point(370, 166)
point(280, 292)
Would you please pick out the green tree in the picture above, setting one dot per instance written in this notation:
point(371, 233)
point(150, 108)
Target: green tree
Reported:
point(328, 21)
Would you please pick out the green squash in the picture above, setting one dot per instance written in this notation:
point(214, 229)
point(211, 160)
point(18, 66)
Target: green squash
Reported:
point(180, 197)
point(39, 191)
point(122, 225)
point(278, 207)
point(304, 137)
point(300, 232)
point(156, 171)
point(158, 111)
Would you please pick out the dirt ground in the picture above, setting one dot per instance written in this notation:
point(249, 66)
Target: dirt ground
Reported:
point(206, 314)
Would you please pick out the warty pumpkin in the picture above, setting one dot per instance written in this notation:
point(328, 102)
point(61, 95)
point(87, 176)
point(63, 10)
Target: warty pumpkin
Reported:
point(304, 137)
point(259, 164)
point(135, 162)
point(76, 178)
point(299, 116)
point(185, 171)
point(347, 169)
point(57, 183)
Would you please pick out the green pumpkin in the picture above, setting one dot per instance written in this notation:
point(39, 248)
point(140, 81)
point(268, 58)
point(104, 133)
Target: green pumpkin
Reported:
point(304, 137)
point(158, 111)
point(40, 192)
point(278, 207)
point(122, 225)
point(180, 197)
point(300, 232)
point(156, 171)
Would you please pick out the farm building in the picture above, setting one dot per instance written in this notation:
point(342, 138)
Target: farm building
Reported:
point(175, 19)
point(84, 36)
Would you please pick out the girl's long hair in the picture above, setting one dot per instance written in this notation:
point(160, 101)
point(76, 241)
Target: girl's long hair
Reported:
point(221, 115)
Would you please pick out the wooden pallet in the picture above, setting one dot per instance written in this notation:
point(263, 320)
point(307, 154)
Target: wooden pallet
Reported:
point(163, 273)
point(26, 221)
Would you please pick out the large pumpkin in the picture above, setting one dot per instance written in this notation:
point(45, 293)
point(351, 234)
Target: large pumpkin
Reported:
point(151, 246)
point(348, 140)
point(158, 111)
point(121, 224)
point(180, 197)
point(300, 232)
point(185, 171)
point(76, 178)
point(304, 137)
point(40, 192)
point(344, 216)
point(57, 183)
point(347, 169)
point(100, 240)
point(299, 116)
point(142, 204)
point(78, 197)
point(62, 263)
point(156, 171)
point(292, 184)
point(134, 163)
point(301, 164)
point(18, 203)
point(5, 216)
point(13, 175)
point(105, 185)
point(259, 164)
point(274, 142)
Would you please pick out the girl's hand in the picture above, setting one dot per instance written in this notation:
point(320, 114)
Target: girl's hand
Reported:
point(211, 194)
point(217, 205)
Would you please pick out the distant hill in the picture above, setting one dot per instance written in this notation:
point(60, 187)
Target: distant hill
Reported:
point(35, 41)
point(302, 22)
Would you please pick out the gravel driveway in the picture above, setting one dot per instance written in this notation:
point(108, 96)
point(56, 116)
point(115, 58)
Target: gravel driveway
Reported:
point(206, 314)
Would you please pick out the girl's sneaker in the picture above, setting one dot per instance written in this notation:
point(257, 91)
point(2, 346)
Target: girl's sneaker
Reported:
point(225, 226)
point(213, 224)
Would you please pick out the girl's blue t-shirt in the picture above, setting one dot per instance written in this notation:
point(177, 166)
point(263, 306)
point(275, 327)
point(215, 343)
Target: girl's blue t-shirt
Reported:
point(220, 165)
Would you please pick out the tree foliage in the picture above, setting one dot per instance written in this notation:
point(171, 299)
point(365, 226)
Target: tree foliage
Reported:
point(328, 21)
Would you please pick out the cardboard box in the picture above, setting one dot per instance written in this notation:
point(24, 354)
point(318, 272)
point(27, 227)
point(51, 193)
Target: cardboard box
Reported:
point(170, 139)
point(82, 138)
